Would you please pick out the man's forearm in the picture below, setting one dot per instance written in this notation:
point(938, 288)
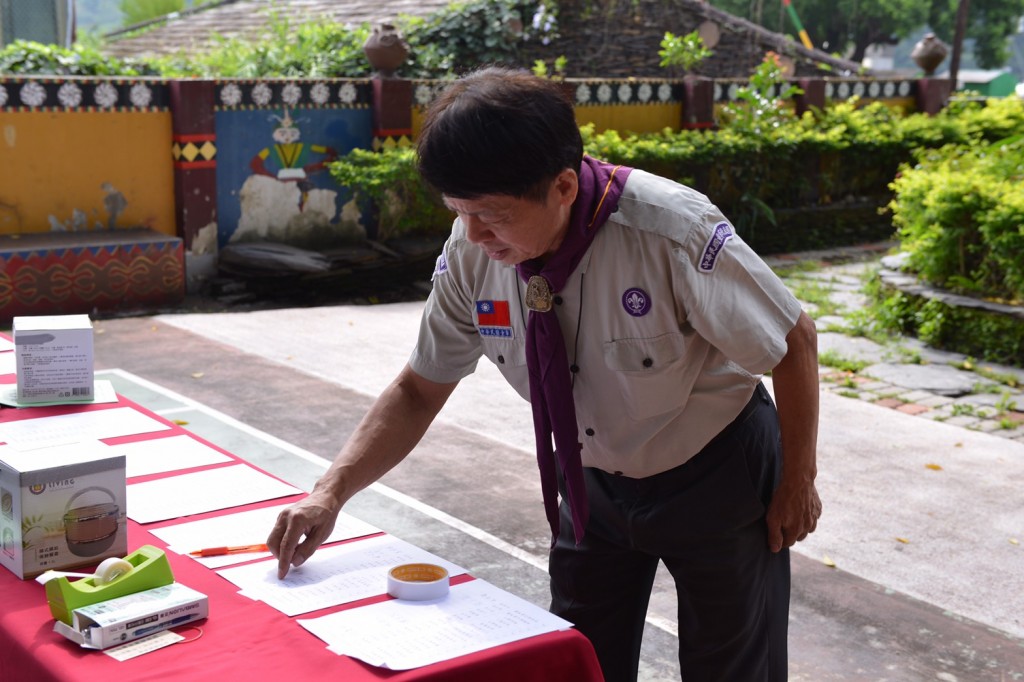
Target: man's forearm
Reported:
point(795, 381)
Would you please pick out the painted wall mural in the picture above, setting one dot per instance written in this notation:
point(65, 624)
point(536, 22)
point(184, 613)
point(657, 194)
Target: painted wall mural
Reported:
point(273, 148)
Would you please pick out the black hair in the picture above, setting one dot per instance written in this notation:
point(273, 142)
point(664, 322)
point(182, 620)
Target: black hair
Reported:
point(499, 130)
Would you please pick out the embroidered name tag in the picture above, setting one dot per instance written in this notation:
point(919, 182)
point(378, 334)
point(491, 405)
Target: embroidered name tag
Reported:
point(493, 319)
point(715, 244)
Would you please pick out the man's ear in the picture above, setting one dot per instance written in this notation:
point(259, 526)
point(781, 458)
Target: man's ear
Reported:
point(567, 185)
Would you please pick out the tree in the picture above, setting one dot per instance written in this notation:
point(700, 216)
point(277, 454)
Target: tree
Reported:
point(848, 27)
point(990, 23)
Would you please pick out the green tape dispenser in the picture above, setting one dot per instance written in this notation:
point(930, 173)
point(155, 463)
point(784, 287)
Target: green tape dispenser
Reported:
point(145, 568)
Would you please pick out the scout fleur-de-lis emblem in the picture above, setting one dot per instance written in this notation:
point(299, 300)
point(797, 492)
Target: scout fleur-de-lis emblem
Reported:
point(538, 294)
point(636, 302)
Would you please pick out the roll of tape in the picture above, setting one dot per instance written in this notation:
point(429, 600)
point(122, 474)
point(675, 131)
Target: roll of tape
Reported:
point(110, 570)
point(418, 582)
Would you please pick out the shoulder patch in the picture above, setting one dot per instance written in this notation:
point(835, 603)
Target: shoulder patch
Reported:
point(440, 267)
point(722, 234)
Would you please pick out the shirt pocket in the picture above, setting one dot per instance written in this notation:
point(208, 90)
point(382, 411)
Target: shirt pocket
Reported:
point(509, 356)
point(650, 372)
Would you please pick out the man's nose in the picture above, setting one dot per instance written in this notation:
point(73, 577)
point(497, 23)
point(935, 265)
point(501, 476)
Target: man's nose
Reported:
point(476, 231)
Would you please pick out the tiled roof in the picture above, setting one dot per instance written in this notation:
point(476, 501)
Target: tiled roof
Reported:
point(193, 29)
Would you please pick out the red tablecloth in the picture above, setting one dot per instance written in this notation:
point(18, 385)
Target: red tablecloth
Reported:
point(242, 639)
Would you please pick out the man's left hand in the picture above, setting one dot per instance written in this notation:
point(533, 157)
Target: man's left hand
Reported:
point(792, 515)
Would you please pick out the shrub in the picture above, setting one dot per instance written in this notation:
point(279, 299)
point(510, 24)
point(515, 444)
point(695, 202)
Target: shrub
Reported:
point(404, 204)
point(959, 214)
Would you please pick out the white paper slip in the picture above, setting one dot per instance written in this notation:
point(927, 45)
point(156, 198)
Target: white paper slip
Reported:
point(6, 345)
point(102, 392)
point(43, 432)
point(172, 453)
point(334, 575)
point(244, 528)
point(8, 362)
point(202, 491)
point(144, 645)
point(401, 635)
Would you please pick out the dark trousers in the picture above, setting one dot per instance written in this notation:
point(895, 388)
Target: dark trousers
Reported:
point(705, 521)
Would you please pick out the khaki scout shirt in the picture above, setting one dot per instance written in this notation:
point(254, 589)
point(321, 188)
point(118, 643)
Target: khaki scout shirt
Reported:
point(670, 319)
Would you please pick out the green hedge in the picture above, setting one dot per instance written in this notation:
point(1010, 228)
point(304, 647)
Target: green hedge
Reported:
point(818, 181)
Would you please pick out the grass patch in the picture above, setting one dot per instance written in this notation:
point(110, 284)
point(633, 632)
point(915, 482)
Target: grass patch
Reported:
point(830, 358)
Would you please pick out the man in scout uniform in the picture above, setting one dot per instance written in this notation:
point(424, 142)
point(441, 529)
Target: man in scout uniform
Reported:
point(624, 307)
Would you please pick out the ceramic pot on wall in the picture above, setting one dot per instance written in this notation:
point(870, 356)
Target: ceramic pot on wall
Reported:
point(386, 50)
point(929, 53)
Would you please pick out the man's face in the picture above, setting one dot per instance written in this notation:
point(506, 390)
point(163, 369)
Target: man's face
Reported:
point(512, 230)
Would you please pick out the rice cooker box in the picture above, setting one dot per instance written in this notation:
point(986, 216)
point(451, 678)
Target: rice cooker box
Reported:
point(60, 508)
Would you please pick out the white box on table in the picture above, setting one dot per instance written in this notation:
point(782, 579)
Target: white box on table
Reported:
point(53, 358)
point(116, 621)
point(60, 510)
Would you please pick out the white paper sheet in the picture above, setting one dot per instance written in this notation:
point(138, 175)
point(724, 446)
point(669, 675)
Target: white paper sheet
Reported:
point(102, 392)
point(6, 345)
point(43, 432)
point(244, 528)
point(334, 575)
point(202, 491)
point(172, 453)
point(401, 635)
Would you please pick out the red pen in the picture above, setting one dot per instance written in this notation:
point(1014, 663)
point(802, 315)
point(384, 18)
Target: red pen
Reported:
point(221, 551)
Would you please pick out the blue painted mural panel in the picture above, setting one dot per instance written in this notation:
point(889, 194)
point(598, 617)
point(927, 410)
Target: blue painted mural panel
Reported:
point(272, 180)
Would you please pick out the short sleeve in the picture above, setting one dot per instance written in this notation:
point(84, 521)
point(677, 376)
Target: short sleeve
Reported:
point(448, 346)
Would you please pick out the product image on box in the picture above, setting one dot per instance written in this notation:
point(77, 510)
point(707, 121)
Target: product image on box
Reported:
point(90, 529)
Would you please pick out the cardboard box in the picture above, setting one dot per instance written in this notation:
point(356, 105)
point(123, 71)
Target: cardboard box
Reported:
point(60, 508)
point(54, 358)
point(116, 621)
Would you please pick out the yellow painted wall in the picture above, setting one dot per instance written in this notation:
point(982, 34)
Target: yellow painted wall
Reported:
point(54, 162)
point(625, 118)
point(641, 118)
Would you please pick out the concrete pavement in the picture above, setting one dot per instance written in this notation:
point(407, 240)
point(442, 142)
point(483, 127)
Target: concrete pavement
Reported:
point(922, 520)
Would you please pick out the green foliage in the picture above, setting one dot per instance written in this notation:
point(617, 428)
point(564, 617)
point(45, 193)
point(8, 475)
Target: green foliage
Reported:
point(137, 11)
point(540, 68)
point(466, 35)
point(309, 50)
point(992, 337)
point(26, 57)
point(686, 52)
point(959, 214)
point(990, 24)
point(390, 180)
point(849, 26)
point(761, 103)
point(830, 358)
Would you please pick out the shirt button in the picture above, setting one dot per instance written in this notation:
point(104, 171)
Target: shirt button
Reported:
point(589, 432)
point(558, 300)
point(574, 368)
point(648, 362)
point(501, 359)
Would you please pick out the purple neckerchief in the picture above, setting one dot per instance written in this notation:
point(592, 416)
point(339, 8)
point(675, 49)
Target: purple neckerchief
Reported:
point(600, 186)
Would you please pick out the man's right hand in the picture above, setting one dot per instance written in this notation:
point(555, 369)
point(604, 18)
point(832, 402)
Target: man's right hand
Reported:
point(300, 530)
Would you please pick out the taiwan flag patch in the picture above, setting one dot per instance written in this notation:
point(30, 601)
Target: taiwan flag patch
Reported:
point(493, 318)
